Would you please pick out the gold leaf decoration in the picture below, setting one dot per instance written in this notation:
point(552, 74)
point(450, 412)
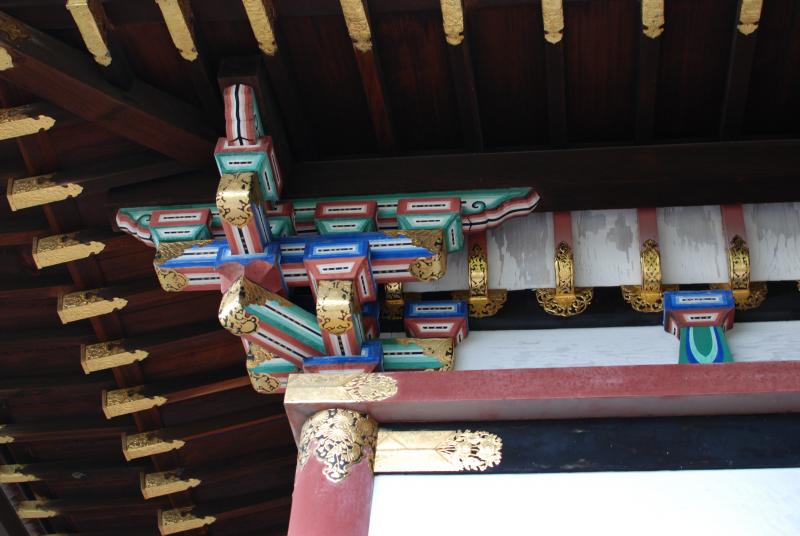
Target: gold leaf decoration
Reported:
point(235, 195)
point(335, 306)
point(232, 313)
point(652, 18)
point(472, 451)
point(453, 21)
point(553, 19)
point(355, 17)
point(749, 16)
point(339, 439)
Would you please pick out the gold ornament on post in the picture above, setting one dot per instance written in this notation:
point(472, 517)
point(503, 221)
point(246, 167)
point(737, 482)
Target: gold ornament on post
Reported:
point(649, 296)
point(482, 300)
point(746, 294)
point(564, 300)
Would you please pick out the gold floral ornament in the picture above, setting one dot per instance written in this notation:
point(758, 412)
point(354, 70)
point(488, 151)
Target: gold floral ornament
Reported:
point(233, 314)
point(436, 451)
point(482, 300)
point(261, 381)
point(336, 305)
point(332, 388)
point(564, 300)
point(746, 294)
point(649, 296)
point(235, 195)
point(339, 439)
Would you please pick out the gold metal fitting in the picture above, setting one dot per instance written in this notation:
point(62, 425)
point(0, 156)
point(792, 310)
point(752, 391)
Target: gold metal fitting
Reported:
point(109, 354)
point(62, 248)
point(182, 519)
point(649, 296)
point(166, 482)
point(129, 400)
point(482, 300)
point(36, 510)
point(746, 294)
point(83, 304)
point(148, 444)
point(565, 300)
point(39, 190)
point(394, 303)
point(90, 20)
point(22, 121)
point(16, 474)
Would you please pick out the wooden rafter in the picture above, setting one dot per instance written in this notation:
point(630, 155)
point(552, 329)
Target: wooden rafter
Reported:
point(142, 114)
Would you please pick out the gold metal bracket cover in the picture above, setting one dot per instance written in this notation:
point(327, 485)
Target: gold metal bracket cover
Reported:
point(482, 300)
point(649, 296)
point(746, 294)
point(564, 300)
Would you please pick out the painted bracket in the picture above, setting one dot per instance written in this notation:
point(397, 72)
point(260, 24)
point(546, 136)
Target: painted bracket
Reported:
point(649, 296)
point(564, 300)
point(746, 294)
point(393, 302)
point(482, 300)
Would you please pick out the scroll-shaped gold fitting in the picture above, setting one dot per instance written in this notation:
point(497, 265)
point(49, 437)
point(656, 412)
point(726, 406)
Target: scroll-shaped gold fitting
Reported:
point(58, 249)
point(148, 444)
point(182, 519)
point(339, 439)
point(652, 18)
point(36, 510)
point(5, 436)
point(749, 16)
point(355, 17)
point(232, 313)
point(394, 302)
point(441, 349)
point(166, 482)
point(178, 18)
point(564, 300)
point(649, 296)
point(261, 381)
point(109, 354)
point(16, 474)
point(83, 304)
point(453, 21)
point(746, 294)
point(428, 268)
point(439, 451)
point(39, 190)
point(90, 19)
point(553, 18)
point(172, 280)
point(235, 194)
point(336, 305)
point(129, 400)
point(333, 388)
point(23, 121)
point(482, 300)
point(260, 17)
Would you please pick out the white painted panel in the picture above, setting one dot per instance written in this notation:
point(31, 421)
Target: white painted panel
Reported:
point(692, 245)
point(593, 347)
point(520, 253)
point(773, 236)
point(606, 248)
point(743, 502)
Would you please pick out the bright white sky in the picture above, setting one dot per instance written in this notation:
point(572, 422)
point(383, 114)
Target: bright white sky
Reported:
point(753, 502)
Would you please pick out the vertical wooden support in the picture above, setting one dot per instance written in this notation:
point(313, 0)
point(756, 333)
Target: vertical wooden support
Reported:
point(743, 47)
point(455, 32)
point(333, 493)
point(564, 300)
point(261, 15)
point(553, 21)
point(648, 67)
point(356, 17)
point(649, 296)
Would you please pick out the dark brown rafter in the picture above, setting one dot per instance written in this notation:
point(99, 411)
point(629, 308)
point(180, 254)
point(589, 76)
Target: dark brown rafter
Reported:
point(142, 114)
point(743, 48)
point(647, 87)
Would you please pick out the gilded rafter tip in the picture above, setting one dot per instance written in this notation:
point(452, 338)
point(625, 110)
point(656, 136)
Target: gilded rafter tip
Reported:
point(749, 16)
point(6, 62)
point(90, 20)
point(181, 519)
point(15, 474)
point(177, 17)
point(553, 19)
point(35, 510)
point(166, 482)
point(5, 437)
point(148, 444)
point(84, 304)
point(355, 17)
point(261, 23)
point(129, 400)
point(652, 18)
point(59, 249)
point(23, 121)
point(39, 190)
point(109, 354)
point(453, 21)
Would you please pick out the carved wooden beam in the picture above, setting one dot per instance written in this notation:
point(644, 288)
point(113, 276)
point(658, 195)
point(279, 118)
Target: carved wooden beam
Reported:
point(47, 508)
point(68, 471)
point(142, 114)
point(27, 433)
